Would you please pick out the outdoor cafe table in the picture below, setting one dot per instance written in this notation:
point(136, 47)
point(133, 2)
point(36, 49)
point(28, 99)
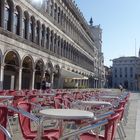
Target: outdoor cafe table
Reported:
point(95, 103)
point(46, 95)
point(66, 114)
point(5, 99)
point(109, 97)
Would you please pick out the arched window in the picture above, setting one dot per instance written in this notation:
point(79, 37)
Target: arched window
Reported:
point(51, 8)
point(55, 43)
point(8, 21)
point(17, 16)
point(68, 52)
point(64, 49)
point(58, 45)
point(64, 21)
point(61, 18)
point(37, 33)
point(58, 16)
point(25, 25)
point(46, 5)
point(51, 41)
point(16, 22)
point(2, 13)
point(47, 38)
point(55, 12)
point(61, 47)
point(31, 29)
point(43, 35)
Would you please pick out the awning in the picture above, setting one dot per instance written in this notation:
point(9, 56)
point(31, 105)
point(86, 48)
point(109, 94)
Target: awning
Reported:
point(84, 78)
point(69, 74)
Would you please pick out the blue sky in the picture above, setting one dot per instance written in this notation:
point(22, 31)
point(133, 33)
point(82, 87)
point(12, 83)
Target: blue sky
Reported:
point(120, 21)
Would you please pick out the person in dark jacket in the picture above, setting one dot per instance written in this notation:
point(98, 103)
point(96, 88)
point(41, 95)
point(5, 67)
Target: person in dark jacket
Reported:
point(43, 84)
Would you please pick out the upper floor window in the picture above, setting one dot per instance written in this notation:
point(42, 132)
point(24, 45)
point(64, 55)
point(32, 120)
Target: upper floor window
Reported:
point(125, 71)
point(43, 36)
point(131, 71)
point(37, 33)
point(32, 29)
point(25, 25)
point(51, 8)
point(55, 12)
point(58, 16)
point(2, 12)
point(7, 17)
point(16, 23)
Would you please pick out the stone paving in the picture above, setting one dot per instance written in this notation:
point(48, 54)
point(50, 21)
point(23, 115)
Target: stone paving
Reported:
point(132, 128)
point(133, 125)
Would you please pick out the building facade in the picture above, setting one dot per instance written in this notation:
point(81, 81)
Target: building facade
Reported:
point(108, 77)
point(99, 69)
point(48, 39)
point(126, 72)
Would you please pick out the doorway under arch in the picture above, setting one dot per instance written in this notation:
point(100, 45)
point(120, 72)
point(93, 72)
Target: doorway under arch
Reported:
point(11, 70)
point(39, 67)
point(27, 70)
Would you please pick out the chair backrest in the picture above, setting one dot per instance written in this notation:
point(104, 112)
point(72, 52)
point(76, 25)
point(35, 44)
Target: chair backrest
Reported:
point(24, 121)
point(6, 133)
point(120, 111)
point(58, 101)
point(3, 120)
point(111, 127)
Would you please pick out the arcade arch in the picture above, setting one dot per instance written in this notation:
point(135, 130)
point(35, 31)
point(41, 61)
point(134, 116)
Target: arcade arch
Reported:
point(11, 69)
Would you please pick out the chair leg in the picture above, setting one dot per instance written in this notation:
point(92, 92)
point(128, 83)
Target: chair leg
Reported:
point(120, 133)
point(122, 128)
point(10, 128)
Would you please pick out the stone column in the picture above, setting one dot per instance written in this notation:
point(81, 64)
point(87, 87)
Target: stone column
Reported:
point(21, 24)
point(20, 79)
point(1, 76)
point(33, 79)
point(52, 79)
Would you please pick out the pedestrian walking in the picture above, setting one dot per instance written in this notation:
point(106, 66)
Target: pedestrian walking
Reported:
point(43, 84)
point(121, 87)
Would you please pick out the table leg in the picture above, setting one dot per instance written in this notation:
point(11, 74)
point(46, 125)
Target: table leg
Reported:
point(40, 130)
point(61, 127)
